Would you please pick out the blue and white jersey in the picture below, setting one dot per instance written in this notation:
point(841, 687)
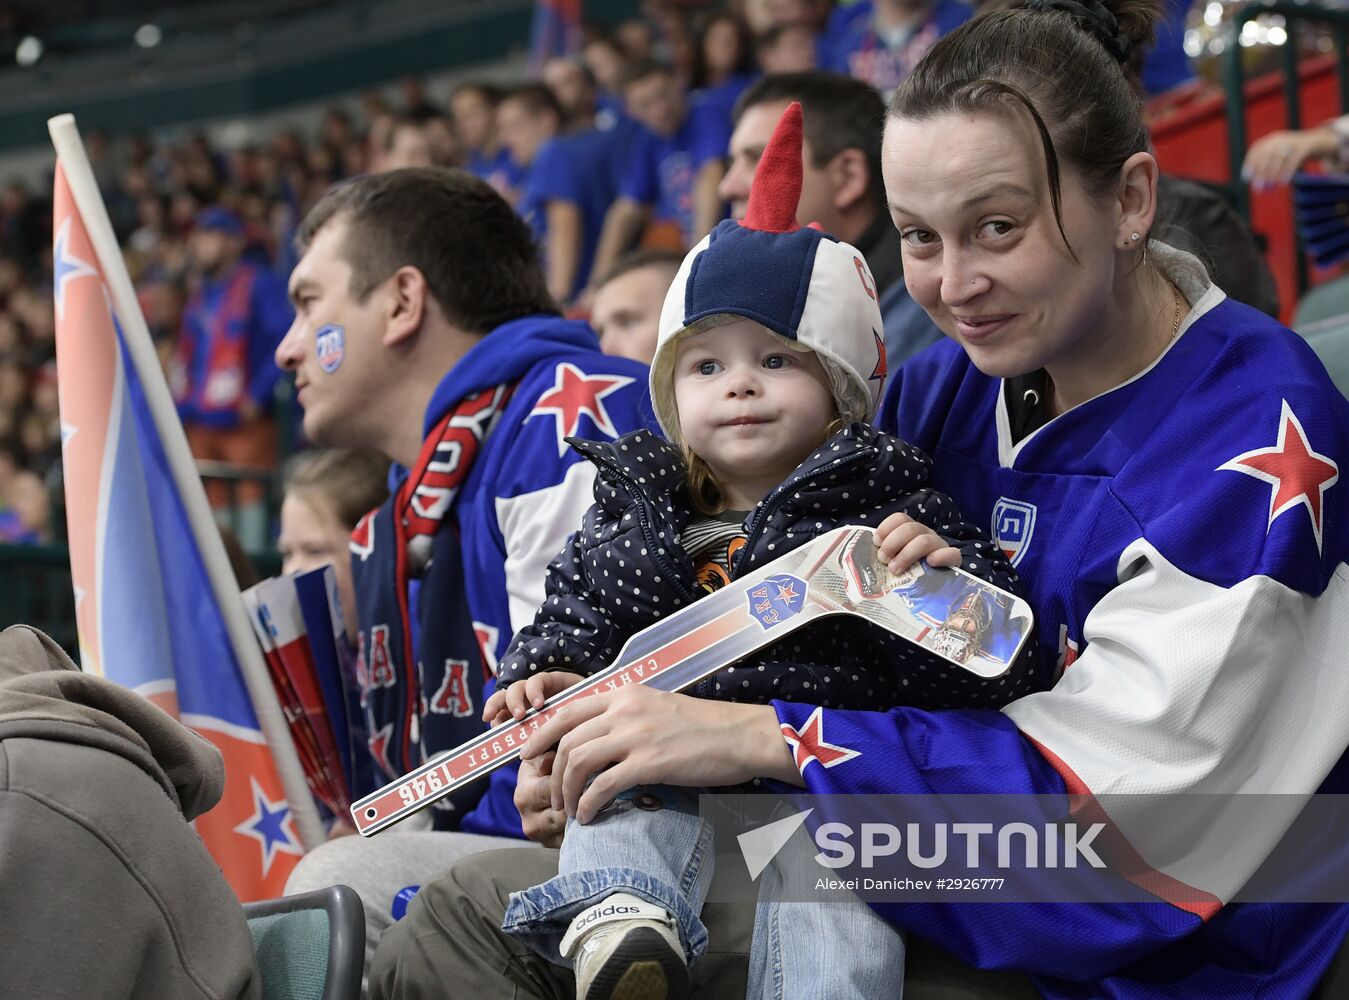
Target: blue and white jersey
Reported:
point(1182, 539)
point(523, 497)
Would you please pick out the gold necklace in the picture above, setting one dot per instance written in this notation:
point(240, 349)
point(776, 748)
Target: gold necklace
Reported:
point(1175, 326)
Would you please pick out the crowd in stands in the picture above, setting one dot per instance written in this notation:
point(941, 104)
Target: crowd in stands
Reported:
point(623, 148)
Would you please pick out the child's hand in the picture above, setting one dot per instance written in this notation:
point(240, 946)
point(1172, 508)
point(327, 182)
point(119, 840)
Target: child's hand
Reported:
point(521, 696)
point(903, 541)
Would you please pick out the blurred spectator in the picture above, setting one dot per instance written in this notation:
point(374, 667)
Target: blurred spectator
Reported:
point(674, 168)
point(723, 62)
point(443, 143)
point(404, 145)
point(222, 372)
point(336, 130)
point(474, 107)
point(625, 311)
point(573, 86)
point(637, 38)
point(9, 467)
point(841, 185)
point(416, 105)
point(607, 63)
point(327, 491)
point(881, 41)
point(25, 226)
point(25, 510)
point(786, 48)
point(765, 14)
point(566, 189)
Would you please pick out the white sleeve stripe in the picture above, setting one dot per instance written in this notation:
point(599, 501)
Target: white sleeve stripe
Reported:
point(1189, 696)
point(535, 526)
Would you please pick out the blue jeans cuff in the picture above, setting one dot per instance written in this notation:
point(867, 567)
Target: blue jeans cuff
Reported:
point(539, 916)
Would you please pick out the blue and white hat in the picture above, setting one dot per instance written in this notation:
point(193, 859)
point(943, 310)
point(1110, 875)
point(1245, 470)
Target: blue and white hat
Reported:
point(801, 283)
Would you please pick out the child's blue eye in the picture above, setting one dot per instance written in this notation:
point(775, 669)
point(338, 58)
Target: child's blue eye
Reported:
point(776, 361)
point(708, 367)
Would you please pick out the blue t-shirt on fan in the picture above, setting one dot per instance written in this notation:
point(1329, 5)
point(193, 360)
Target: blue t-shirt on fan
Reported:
point(662, 169)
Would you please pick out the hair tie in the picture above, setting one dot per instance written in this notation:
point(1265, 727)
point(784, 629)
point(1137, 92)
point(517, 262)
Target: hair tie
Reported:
point(1093, 17)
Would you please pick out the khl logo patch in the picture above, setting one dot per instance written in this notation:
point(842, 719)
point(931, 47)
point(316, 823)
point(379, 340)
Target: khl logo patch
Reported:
point(1013, 525)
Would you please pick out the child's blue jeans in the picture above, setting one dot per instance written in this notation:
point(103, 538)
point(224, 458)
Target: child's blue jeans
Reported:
point(651, 842)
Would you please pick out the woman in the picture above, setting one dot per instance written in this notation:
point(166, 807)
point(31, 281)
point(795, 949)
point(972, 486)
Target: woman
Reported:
point(1160, 462)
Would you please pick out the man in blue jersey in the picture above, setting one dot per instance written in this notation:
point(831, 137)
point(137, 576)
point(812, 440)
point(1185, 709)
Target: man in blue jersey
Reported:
point(674, 166)
point(448, 356)
point(474, 107)
point(565, 189)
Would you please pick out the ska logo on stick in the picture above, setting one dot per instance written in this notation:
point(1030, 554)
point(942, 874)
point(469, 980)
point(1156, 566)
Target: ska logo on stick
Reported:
point(776, 599)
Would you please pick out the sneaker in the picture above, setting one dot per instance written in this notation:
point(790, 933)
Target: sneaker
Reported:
point(624, 948)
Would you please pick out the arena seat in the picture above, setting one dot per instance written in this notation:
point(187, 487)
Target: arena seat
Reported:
point(310, 946)
point(1322, 319)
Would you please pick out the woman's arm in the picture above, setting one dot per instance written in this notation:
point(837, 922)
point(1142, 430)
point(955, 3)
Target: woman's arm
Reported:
point(639, 736)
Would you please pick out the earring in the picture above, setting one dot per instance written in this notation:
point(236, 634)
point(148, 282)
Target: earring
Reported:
point(1135, 237)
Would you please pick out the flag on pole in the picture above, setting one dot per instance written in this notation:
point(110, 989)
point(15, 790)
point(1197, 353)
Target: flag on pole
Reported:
point(556, 31)
point(151, 608)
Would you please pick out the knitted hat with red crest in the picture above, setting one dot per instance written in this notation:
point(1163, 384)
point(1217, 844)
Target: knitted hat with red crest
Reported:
point(800, 283)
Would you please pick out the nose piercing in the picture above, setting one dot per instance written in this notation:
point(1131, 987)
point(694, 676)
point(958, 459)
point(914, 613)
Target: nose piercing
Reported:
point(974, 281)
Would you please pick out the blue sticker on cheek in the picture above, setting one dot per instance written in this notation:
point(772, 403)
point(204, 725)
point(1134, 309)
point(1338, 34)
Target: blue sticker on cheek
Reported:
point(330, 344)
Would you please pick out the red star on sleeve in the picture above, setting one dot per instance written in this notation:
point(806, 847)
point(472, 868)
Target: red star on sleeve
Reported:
point(809, 745)
point(576, 393)
point(1296, 474)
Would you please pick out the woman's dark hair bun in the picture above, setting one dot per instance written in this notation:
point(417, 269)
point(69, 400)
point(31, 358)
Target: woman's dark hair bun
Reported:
point(1124, 27)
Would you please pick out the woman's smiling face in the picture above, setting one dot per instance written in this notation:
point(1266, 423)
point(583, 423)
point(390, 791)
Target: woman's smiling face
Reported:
point(983, 254)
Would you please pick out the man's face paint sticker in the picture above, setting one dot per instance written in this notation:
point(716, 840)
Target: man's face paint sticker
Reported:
point(330, 342)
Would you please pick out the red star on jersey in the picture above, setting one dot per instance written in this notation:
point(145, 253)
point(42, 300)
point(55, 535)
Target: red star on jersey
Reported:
point(809, 744)
point(787, 593)
point(882, 364)
point(575, 393)
point(1296, 474)
point(378, 742)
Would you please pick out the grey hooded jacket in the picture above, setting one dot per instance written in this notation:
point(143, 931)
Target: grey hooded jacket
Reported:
point(105, 889)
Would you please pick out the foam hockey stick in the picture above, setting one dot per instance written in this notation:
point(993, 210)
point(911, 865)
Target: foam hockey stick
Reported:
point(954, 615)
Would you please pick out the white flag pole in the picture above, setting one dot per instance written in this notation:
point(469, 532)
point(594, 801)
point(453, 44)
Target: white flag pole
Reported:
point(70, 151)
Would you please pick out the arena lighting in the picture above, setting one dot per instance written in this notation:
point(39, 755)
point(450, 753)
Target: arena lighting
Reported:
point(29, 50)
point(148, 36)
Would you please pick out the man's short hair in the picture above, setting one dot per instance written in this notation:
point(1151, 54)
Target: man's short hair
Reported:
point(477, 255)
point(535, 98)
point(840, 113)
point(638, 259)
point(639, 69)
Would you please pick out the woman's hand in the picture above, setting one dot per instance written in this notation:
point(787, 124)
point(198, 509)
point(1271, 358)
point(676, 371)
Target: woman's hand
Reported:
point(515, 701)
point(640, 736)
point(903, 541)
point(1274, 158)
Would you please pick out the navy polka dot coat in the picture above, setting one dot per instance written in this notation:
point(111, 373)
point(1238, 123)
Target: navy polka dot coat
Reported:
point(625, 569)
